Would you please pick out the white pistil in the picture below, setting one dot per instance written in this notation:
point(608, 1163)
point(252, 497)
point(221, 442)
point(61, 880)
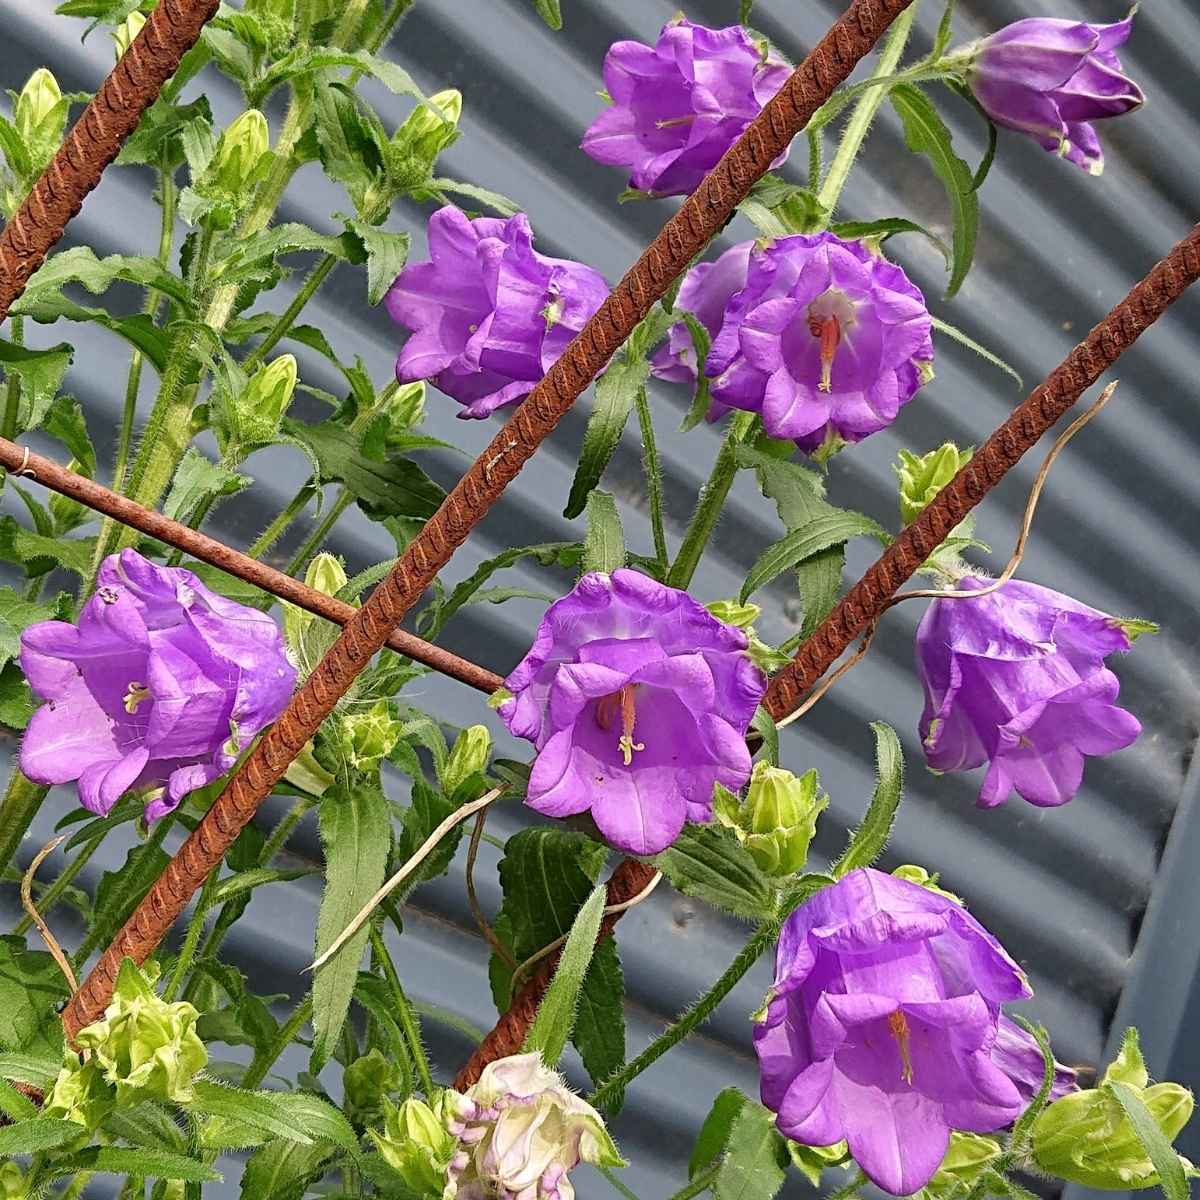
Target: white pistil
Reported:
point(134, 695)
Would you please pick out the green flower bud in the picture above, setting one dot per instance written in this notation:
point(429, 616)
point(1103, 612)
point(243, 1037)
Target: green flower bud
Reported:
point(39, 115)
point(255, 414)
point(1085, 1137)
point(923, 476)
point(124, 34)
point(416, 1144)
point(241, 157)
point(80, 1093)
point(366, 737)
point(777, 819)
point(468, 756)
point(146, 1047)
point(424, 135)
point(406, 408)
point(922, 878)
point(812, 1160)
point(13, 1185)
point(967, 1157)
point(367, 1081)
point(308, 636)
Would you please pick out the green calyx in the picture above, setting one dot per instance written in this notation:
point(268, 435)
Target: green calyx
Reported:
point(777, 819)
point(468, 756)
point(923, 476)
point(416, 1143)
point(80, 1093)
point(925, 879)
point(366, 737)
point(967, 1158)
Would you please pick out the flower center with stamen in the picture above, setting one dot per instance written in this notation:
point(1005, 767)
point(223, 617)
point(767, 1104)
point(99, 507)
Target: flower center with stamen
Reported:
point(829, 316)
point(671, 122)
point(898, 1024)
point(624, 701)
point(134, 695)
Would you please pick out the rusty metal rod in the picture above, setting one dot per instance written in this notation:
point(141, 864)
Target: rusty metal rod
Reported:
point(20, 460)
point(701, 216)
point(110, 117)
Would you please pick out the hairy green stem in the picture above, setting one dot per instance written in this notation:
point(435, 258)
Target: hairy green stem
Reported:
point(693, 1017)
point(617, 1184)
point(262, 1063)
point(20, 805)
point(51, 896)
point(280, 329)
point(12, 398)
point(712, 500)
point(276, 529)
point(283, 831)
point(316, 539)
point(702, 1183)
point(187, 952)
point(653, 469)
point(847, 1190)
point(865, 110)
point(404, 1012)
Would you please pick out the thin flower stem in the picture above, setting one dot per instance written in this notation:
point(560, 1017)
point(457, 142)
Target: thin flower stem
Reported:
point(287, 319)
point(693, 1017)
point(187, 952)
point(316, 539)
point(702, 1183)
point(50, 897)
point(711, 502)
point(654, 487)
point(262, 1063)
point(389, 23)
point(409, 1024)
point(12, 399)
point(276, 529)
point(615, 1180)
point(864, 111)
point(20, 805)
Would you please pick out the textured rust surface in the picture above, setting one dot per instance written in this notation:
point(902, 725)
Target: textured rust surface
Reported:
point(508, 1035)
point(209, 550)
point(131, 87)
point(684, 235)
point(866, 601)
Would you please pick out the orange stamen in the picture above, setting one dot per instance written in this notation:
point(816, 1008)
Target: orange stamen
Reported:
point(898, 1024)
point(829, 330)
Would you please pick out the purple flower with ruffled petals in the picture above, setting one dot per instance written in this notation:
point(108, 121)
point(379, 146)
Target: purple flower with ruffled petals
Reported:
point(638, 700)
point(825, 340)
point(678, 105)
point(489, 314)
point(881, 1025)
point(1018, 1055)
point(1017, 679)
point(159, 686)
point(1049, 78)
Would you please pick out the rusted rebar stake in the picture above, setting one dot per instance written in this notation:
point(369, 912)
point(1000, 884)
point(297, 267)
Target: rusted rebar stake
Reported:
point(45, 471)
point(684, 235)
point(110, 117)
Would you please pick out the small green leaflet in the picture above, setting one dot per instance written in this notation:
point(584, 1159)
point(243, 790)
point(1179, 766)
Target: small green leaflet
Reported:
point(708, 863)
point(40, 372)
point(550, 11)
point(152, 1164)
point(281, 1170)
point(40, 1133)
point(870, 838)
point(604, 545)
point(714, 1133)
point(493, 200)
point(926, 133)
point(957, 334)
point(887, 227)
point(197, 479)
point(556, 1014)
point(386, 255)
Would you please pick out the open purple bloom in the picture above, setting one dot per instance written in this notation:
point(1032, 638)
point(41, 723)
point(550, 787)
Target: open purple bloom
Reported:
point(822, 338)
point(1019, 1056)
point(489, 314)
point(1049, 78)
point(159, 685)
point(638, 700)
point(881, 1025)
point(1017, 679)
point(678, 105)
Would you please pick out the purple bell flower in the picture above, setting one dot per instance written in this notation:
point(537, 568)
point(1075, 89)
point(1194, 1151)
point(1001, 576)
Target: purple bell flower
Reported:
point(823, 339)
point(881, 1027)
point(160, 685)
point(679, 105)
point(1017, 679)
point(638, 700)
point(489, 314)
point(1019, 1056)
point(1049, 78)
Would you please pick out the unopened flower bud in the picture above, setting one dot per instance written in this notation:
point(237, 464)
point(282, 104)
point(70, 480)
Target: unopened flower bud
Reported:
point(367, 1082)
point(425, 135)
point(308, 636)
point(80, 1093)
point(406, 408)
point(777, 819)
point(922, 476)
point(13, 1184)
point(468, 756)
point(124, 34)
point(241, 153)
point(369, 735)
point(39, 115)
point(146, 1047)
point(256, 413)
point(1085, 1137)
point(416, 1144)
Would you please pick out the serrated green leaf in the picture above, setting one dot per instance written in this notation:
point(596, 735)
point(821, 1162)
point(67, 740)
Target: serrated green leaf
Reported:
point(616, 392)
point(138, 330)
point(38, 1065)
point(41, 1133)
point(65, 421)
point(17, 614)
point(386, 252)
point(1171, 1176)
point(247, 255)
point(496, 201)
point(714, 1133)
point(247, 881)
point(150, 1125)
point(887, 227)
point(39, 554)
point(708, 863)
point(40, 372)
point(604, 545)
point(151, 1164)
point(14, 1104)
point(317, 1118)
point(428, 808)
point(16, 699)
point(80, 265)
point(833, 529)
point(952, 331)
point(756, 1160)
point(926, 133)
point(197, 479)
point(556, 1014)
point(304, 60)
point(550, 11)
point(870, 838)
point(282, 1170)
point(260, 1110)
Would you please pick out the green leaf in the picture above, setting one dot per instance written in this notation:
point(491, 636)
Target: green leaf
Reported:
point(197, 479)
point(119, 892)
point(702, 400)
point(386, 255)
point(39, 554)
point(556, 1014)
point(708, 863)
point(494, 200)
point(887, 227)
point(356, 833)
point(247, 881)
point(926, 133)
point(14, 1104)
point(150, 1125)
point(248, 255)
point(40, 372)
point(65, 422)
point(260, 1110)
point(777, 208)
point(944, 30)
point(16, 699)
point(317, 1118)
point(17, 614)
point(957, 334)
point(547, 873)
point(832, 529)
point(153, 1164)
point(38, 1066)
point(764, 724)
point(80, 265)
point(30, 1137)
point(31, 989)
point(282, 1170)
point(428, 808)
point(604, 545)
point(390, 487)
point(870, 838)
point(1171, 1176)
point(756, 1159)
point(138, 330)
point(306, 59)
point(550, 11)
point(714, 1133)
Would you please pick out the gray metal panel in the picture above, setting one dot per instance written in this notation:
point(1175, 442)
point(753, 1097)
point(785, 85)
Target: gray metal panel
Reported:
point(1066, 890)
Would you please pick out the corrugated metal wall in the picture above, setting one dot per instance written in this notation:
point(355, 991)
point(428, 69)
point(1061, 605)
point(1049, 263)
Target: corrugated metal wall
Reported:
point(1067, 889)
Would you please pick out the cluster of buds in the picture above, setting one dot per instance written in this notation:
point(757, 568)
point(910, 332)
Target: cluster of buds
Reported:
point(777, 818)
point(517, 1133)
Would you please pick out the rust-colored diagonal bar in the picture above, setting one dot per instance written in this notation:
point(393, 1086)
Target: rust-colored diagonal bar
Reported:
point(866, 601)
point(131, 87)
point(209, 550)
point(688, 231)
